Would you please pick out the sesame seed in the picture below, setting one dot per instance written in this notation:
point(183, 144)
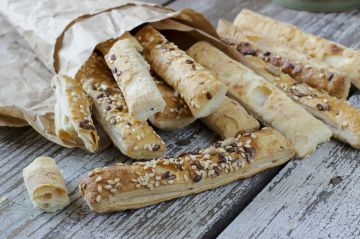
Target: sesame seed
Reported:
point(134, 180)
point(98, 198)
point(110, 182)
point(116, 180)
point(99, 188)
point(171, 181)
point(91, 173)
point(99, 170)
point(138, 137)
point(135, 148)
point(108, 186)
point(98, 179)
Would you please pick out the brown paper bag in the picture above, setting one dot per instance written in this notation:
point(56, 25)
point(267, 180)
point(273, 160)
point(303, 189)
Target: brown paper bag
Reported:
point(62, 35)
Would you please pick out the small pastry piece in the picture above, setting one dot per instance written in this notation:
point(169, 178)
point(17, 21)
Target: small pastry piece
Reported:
point(339, 115)
point(201, 91)
point(128, 186)
point(336, 55)
point(135, 139)
point(264, 100)
point(298, 65)
point(73, 122)
point(230, 119)
point(45, 185)
point(132, 75)
point(176, 114)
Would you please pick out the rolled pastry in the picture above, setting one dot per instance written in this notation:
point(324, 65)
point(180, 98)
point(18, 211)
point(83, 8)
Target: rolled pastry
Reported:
point(45, 185)
point(298, 65)
point(339, 115)
point(335, 54)
point(132, 75)
point(263, 100)
point(176, 114)
point(73, 122)
point(201, 91)
point(140, 184)
point(135, 139)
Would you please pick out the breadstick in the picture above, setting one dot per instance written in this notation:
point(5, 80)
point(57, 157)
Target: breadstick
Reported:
point(73, 122)
point(128, 186)
point(264, 100)
point(45, 185)
point(201, 91)
point(132, 75)
point(290, 61)
point(135, 139)
point(335, 54)
point(339, 115)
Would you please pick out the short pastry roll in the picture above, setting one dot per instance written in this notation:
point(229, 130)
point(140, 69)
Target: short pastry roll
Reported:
point(230, 119)
point(128, 186)
point(201, 91)
point(263, 100)
point(338, 115)
point(135, 139)
point(176, 114)
point(335, 54)
point(73, 122)
point(132, 75)
point(298, 65)
point(45, 185)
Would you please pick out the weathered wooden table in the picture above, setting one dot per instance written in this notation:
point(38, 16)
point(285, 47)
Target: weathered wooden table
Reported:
point(313, 198)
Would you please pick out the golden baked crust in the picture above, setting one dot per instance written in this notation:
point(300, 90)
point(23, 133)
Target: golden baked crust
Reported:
point(132, 75)
point(339, 115)
point(136, 185)
point(263, 100)
point(298, 65)
point(135, 139)
point(73, 122)
point(45, 185)
point(335, 54)
point(198, 87)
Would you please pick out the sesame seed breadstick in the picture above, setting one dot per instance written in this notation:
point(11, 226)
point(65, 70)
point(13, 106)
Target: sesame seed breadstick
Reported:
point(176, 114)
point(45, 185)
point(201, 91)
point(335, 54)
point(298, 65)
point(339, 115)
point(128, 186)
point(73, 122)
point(135, 139)
point(263, 100)
point(132, 75)
point(227, 121)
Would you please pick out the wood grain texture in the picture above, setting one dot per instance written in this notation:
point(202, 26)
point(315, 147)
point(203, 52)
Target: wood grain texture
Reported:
point(314, 198)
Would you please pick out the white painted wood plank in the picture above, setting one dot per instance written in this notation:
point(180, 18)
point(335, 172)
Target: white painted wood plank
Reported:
point(313, 198)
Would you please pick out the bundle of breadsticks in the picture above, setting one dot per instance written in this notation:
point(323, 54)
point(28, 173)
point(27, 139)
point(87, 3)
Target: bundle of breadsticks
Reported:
point(142, 80)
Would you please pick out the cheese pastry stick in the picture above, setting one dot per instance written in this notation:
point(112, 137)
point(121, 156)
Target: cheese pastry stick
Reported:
point(201, 91)
point(135, 139)
point(45, 185)
point(339, 115)
point(128, 186)
point(263, 100)
point(298, 65)
point(335, 54)
point(73, 122)
point(132, 75)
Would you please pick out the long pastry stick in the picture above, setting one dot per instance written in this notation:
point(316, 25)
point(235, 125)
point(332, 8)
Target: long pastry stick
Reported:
point(136, 139)
point(73, 122)
point(264, 100)
point(335, 54)
point(201, 91)
point(290, 61)
point(136, 185)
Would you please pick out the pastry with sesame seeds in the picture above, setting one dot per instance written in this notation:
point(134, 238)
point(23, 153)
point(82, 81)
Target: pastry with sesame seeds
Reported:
point(298, 65)
point(263, 100)
point(140, 184)
point(338, 115)
point(132, 75)
point(199, 88)
point(73, 122)
point(135, 139)
point(45, 185)
point(344, 58)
